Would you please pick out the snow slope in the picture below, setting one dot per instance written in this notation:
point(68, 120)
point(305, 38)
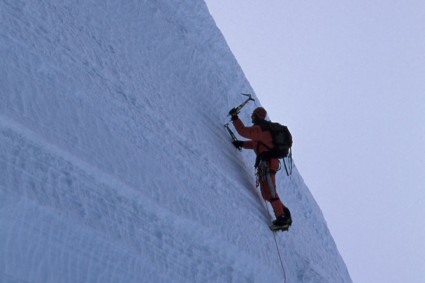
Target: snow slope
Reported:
point(114, 163)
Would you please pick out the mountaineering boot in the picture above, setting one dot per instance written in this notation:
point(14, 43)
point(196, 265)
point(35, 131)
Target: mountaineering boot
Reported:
point(288, 215)
point(282, 223)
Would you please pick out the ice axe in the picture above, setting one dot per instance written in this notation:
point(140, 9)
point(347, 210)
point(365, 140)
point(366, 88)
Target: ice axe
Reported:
point(236, 110)
point(234, 138)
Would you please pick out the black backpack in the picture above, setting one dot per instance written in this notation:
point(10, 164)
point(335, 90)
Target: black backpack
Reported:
point(282, 143)
point(282, 140)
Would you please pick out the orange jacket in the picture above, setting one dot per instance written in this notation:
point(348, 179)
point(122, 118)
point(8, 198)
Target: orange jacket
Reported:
point(260, 141)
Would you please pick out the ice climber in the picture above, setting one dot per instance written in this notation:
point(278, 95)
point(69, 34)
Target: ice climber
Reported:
point(261, 141)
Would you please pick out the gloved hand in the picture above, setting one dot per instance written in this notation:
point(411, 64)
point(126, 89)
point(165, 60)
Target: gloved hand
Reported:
point(238, 144)
point(233, 111)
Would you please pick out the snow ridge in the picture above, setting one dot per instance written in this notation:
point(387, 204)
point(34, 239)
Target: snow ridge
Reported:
point(115, 166)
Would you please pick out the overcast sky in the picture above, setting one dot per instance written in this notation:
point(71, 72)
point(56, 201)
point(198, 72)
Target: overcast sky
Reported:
point(348, 78)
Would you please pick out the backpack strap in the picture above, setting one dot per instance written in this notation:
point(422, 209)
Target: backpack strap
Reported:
point(288, 172)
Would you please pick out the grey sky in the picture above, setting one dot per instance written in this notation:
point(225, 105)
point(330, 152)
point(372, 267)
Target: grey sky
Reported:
point(348, 78)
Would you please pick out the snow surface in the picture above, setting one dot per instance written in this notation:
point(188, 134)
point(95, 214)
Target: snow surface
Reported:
point(114, 162)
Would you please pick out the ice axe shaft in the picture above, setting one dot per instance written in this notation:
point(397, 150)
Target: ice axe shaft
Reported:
point(234, 138)
point(238, 109)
